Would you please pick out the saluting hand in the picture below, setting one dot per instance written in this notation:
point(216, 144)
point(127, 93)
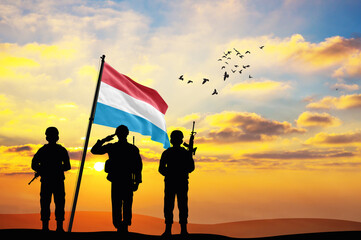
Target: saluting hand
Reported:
point(108, 138)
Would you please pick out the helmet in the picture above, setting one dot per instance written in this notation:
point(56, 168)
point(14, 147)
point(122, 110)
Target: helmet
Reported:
point(122, 130)
point(51, 131)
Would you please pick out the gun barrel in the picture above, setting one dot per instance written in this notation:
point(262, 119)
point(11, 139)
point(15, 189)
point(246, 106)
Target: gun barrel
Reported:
point(193, 126)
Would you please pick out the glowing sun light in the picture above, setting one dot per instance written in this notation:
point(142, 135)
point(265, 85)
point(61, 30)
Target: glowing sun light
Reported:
point(99, 166)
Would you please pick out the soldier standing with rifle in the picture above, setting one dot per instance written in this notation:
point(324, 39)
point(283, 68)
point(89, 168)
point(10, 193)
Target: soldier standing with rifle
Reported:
point(175, 165)
point(50, 162)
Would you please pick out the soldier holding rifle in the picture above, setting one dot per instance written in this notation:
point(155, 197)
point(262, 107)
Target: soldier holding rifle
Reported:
point(50, 162)
point(175, 165)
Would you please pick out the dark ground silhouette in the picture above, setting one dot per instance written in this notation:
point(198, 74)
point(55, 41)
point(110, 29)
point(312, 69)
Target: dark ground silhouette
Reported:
point(39, 235)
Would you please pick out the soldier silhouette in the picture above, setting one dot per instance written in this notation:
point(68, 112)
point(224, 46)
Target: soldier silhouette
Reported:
point(124, 169)
point(175, 165)
point(50, 162)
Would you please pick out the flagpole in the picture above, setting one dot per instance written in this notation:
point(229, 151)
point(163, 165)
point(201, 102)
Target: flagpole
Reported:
point(91, 119)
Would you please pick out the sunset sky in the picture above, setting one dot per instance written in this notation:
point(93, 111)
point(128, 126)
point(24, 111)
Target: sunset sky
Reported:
point(285, 143)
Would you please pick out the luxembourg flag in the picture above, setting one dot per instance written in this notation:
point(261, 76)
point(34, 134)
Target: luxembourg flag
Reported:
point(122, 101)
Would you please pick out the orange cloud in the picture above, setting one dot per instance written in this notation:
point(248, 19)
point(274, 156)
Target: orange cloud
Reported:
point(301, 154)
point(349, 138)
point(244, 126)
point(350, 68)
point(343, 102)
point(313, 119)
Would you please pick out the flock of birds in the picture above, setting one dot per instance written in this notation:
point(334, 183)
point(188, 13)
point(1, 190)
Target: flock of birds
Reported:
point(227, 67)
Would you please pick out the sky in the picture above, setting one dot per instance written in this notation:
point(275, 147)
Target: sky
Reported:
point(285, 143)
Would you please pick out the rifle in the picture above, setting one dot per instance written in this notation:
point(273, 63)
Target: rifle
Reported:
point(36, 175)
point(190, 145)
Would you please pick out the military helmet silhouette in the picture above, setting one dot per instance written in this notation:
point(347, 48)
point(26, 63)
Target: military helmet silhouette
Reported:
point(122, 130)
point(51, 131)
point(176, 137)
point(177, 134)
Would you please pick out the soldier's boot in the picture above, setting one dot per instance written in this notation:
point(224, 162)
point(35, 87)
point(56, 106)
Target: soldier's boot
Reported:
point(168, 230)
point(45, 226)
point(184, 231)
point(59, 226)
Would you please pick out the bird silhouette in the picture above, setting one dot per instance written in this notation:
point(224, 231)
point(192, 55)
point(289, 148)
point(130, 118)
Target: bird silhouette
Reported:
point(223, 67)
point(181, 78)
point(233, 71)
point(226, 62)
point(244, 67)
point(250, 76)
point(226, 75)
point(261, 47)
point(220, 59)
point(236, 66)
point(205, 80)
point(190, 81)
point(240, 72)
point(241, 56)
point(229, 58)
point(247, 52)
point(215, 92)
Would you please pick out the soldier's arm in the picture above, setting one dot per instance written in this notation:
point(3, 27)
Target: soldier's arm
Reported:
point(35, 162)
point(98, 148)
point(162, 164)
point(139, 167)
point(66, 161)
point(190, 163)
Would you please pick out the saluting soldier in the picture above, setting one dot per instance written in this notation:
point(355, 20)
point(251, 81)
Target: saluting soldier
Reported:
point(124, 169)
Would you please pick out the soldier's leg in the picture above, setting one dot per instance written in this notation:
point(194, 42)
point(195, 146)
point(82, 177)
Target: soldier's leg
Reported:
point(45, 199)
point(116, 205)
point(182, 199)
point(59, 200)
point(127, 209)
point(169, 198)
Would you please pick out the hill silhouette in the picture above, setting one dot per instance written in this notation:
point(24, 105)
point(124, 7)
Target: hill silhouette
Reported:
point(39, 235)
point(87, 222)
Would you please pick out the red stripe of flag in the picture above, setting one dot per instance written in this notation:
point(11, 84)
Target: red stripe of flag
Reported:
point(125, 84)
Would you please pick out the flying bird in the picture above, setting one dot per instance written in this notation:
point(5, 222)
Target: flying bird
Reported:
point(226, 75)
point(223, 67)
point(241, 56)
point(181, 78)
point(220, 59)
point(236, 66)
point(261, 47)
point(205, 80)
point(233, 71)
point(226, 62)
point(190, 81)
point(229, 58)
point(247, 52)
point(240, 72)
point(215, 92)
point(250, 76)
